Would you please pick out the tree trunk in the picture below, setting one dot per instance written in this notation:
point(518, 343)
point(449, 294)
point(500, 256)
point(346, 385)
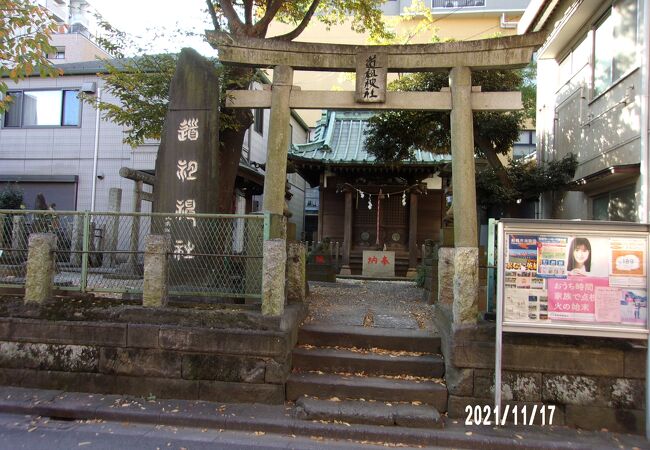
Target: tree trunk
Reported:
point(232, 140)
point(494, 161)
point(229, 157)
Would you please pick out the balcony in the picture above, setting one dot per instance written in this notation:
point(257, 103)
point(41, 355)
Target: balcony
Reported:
point(454, 4)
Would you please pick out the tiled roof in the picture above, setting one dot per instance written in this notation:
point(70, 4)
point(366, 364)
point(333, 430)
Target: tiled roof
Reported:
point(339, 138)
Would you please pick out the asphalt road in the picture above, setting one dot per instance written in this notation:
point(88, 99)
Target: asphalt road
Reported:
point(36, 433)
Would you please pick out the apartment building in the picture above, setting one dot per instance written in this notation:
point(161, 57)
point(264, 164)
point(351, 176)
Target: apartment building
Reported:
point(592, 99)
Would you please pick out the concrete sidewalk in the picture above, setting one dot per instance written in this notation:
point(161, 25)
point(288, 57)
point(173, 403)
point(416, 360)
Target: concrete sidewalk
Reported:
point(280, 420)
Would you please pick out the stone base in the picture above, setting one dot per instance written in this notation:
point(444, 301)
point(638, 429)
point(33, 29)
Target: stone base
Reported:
point(594, 383)
point(345, 270)
point(412, 272)
point(321, 272)
point(199, 354)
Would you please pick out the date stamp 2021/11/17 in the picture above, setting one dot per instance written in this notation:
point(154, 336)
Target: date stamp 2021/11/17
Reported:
point(515, 415)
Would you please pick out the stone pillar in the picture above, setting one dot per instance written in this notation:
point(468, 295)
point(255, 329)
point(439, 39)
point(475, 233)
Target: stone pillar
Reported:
point(464, 200)
point(40, 267)
point(347, 234)
point(135, 226)
point(465, 306)
point(156, 248)
point(296, 272)
point(253, 241)
point(462, 152)
point(76, 245)
point(446, 277)
point(274, 266)
point(278, 144)
point(275, 248)
point(18, 233)
point(111, 231)
point(413, 236)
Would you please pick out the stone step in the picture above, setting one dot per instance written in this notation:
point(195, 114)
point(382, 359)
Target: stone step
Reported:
point(326, 386)
point(371, 413)
point(369, 337)
point(341, 360)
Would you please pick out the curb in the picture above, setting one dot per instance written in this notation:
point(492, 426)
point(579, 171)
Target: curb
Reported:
point(276, 419)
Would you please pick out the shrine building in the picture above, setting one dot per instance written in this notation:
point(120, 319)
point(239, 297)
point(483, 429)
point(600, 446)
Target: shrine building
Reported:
point(368, 204)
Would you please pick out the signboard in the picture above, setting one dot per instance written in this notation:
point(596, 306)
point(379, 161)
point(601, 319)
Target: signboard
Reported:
point(378, 264)
point(588, 278)
point(371, 77)
point(571, 278)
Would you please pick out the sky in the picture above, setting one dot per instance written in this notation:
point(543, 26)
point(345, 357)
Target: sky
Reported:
point(140, 17)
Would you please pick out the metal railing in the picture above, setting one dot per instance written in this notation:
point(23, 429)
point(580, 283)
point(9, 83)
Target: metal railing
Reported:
point(457, 3)
point(212, 255)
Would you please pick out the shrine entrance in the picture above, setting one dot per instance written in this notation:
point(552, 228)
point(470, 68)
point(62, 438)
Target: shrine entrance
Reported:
point(372, 64)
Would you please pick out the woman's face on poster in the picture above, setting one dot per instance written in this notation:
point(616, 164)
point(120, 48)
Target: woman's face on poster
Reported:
point(581, 254)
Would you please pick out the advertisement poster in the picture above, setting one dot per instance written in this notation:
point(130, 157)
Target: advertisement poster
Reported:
point(522, 253)
point(627, 262)
point(551, 256)
point(574, 278)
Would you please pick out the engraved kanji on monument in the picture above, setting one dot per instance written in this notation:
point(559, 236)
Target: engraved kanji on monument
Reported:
point(186, 168)
point(372, 74)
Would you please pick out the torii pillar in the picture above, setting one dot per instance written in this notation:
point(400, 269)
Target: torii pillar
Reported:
point(465, 306)
point(275, 245)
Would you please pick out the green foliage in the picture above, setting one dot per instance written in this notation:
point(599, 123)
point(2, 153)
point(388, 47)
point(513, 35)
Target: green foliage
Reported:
point(396, 135)
point(529, 91)
point(11, 197)
point(364, 15)
point(142, 85)
point(529, 180)
point(25, 31)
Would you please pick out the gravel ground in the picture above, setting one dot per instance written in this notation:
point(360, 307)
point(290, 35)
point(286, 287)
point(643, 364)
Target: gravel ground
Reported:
point(382, 304)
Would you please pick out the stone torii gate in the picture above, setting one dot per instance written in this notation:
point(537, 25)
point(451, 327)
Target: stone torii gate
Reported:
point(372, 63)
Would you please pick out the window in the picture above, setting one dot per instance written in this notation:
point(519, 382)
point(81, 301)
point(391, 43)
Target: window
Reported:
point(615, 39)
point(525, 145)
point(59, 53)
point(616, 205)
point(43, 108)
point(258, 124)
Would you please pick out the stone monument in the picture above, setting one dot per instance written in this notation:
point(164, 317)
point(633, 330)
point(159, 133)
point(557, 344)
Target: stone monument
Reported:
point(186, 166)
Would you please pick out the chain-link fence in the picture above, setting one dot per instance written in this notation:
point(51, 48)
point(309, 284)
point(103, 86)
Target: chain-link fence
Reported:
point(211, 255)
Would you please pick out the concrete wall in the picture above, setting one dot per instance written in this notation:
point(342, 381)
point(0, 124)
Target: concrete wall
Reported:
point(78, 48)
point(51, 151)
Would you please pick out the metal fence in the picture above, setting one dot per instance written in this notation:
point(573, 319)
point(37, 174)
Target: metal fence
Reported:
point(212, 255)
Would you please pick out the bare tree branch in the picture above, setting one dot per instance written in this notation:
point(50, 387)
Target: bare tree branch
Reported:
point(248, 12)
point(259, 29)
point(236, 25)
point(301, 27)
point(213, 14)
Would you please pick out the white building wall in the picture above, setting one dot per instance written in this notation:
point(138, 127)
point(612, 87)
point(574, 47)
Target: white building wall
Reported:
point(603, 130)
point(69, 151)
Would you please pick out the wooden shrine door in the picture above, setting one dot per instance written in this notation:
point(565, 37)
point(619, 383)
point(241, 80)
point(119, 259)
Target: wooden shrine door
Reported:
point(393, 224)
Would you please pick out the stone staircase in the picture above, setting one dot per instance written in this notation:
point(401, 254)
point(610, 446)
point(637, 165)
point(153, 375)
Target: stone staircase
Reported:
point(379, 376)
